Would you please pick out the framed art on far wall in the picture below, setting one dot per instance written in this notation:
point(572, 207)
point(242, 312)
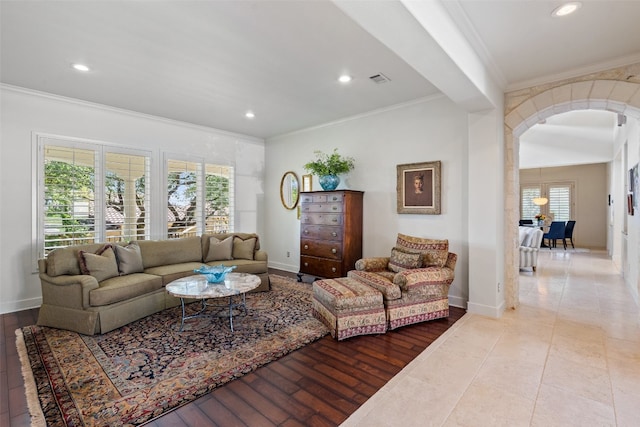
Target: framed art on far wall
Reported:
point(418, 188)
point(306, 183)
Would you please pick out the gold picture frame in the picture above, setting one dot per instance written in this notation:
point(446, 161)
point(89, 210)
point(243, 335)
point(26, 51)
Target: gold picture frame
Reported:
point(418, 188)
point(307, 183)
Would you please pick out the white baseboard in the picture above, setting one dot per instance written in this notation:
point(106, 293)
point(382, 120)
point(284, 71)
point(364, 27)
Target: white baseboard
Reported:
point(486, 310)
point(25, 304)
point(284, 267)
point(457, 302)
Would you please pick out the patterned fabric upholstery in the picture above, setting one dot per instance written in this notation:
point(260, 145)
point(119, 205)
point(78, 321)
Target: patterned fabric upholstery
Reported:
point(412, 295)
point(348, 307)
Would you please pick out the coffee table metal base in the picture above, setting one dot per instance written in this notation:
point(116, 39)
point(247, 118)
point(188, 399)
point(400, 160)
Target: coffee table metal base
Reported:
point(231, 306)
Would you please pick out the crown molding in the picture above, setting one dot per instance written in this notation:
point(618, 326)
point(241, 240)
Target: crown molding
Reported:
point(103, 107)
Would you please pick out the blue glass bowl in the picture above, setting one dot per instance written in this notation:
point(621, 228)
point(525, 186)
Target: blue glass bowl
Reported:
point(215, 274)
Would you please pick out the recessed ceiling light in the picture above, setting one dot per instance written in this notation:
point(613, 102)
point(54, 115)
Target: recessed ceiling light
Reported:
point(566, 9)
point(249, 115)
point(80, 67)
point(344, 78)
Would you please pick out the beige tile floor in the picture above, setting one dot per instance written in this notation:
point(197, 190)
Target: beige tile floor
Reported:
point(569, 356)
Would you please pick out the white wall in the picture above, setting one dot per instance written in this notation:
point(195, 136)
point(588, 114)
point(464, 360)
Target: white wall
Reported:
point(630, 153)
point(590, 194)
point(433, 129)
point(24, 113)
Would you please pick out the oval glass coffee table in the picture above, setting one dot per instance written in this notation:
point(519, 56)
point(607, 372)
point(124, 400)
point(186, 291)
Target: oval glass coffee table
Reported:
point(197, 287)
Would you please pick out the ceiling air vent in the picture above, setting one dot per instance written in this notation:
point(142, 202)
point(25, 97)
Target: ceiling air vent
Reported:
point(380, 78)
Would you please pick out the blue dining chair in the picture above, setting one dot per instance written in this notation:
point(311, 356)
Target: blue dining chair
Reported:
point(568, 233)
point(556, 232)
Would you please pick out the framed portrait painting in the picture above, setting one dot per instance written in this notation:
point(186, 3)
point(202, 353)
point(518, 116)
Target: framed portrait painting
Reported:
point(419, 188)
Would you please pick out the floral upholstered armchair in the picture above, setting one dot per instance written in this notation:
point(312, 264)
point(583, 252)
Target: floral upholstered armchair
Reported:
point(414, 280)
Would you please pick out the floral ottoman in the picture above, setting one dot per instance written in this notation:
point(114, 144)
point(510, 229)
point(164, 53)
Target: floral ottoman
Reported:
point(348, 307)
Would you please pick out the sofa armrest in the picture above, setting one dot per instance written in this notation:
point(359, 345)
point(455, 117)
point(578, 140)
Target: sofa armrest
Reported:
point(67, 290)
point(261, 256)
point(372, 264)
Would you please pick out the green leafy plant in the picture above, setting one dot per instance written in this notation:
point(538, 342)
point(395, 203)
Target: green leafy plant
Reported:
point(330, 164)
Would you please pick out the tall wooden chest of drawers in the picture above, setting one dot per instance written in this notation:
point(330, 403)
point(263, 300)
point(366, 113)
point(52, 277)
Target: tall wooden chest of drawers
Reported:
point(330, 232)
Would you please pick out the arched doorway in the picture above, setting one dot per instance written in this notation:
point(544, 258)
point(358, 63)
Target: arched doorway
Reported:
point(615, 90)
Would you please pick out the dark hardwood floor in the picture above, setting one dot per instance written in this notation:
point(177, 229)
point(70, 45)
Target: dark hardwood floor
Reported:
point(320, 384)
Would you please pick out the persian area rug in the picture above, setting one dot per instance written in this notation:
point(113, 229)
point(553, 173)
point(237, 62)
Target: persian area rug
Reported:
point(138, 372)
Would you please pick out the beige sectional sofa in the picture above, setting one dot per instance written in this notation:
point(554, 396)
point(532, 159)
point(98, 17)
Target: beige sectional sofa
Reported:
point(99, 287)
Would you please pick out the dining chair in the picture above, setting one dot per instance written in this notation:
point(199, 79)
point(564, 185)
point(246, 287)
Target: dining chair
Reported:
point(568, 233)
point(556, 232)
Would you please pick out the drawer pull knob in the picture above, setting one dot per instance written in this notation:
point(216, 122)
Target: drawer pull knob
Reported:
point(335, 198)
point(334, 220)
point(335, 208)
point(306, 246)
point(333, 269)
point(306, 264)
point(333, 251)
point(306, 231)
point(334, 234)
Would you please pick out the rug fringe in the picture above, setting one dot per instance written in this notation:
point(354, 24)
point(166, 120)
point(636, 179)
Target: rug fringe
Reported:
point(31, 391)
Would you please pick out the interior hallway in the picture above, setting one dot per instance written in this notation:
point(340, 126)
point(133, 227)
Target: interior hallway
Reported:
point(569, 356)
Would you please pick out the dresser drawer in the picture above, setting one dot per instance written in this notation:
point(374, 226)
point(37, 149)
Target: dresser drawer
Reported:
point(322, 207)
point(323, 197)
point(321, 248)
point(320, 267)
point(321, 232)
point(321, 219)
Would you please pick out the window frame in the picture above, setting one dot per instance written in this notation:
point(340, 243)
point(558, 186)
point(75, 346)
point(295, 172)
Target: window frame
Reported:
point(544, 190)
point(202, 164)
point(100, 149)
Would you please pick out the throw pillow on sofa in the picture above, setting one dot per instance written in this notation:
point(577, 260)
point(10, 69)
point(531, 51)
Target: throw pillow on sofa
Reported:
point(102, 265)
point(400, 260)
point(220, 250)
point(244, 249)
point(129, 259)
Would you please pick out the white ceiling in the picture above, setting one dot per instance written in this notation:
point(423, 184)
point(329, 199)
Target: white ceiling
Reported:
point(208, 62)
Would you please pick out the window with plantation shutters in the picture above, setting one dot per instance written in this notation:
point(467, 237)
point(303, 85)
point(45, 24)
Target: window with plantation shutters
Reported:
point(126, 197)
point(67, 197)
point(560, 200)
point(90, 192)
point(528, 209)
point(199, 198)
point(218, 199)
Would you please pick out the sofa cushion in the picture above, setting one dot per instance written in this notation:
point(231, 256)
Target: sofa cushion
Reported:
point(172, 251)
point(434, 252)
point(102, 265)
point(401, 260)
point(244, 248)
point(129, 259)
point(244, 266)
point(172, 272)
point(122, 288)
point(219, 250)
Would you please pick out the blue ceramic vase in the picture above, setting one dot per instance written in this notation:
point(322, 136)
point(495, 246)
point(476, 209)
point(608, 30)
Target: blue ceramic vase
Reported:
point(329, 182)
